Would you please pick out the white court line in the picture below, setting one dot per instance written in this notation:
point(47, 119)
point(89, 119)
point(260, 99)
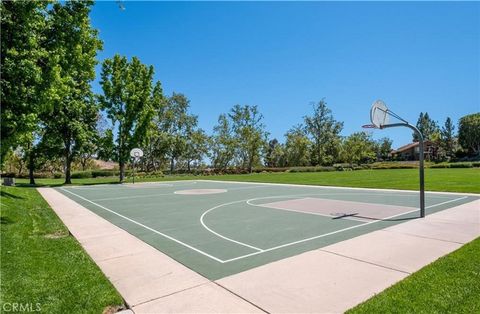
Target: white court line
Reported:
point(248, 201)
point(450, 201)
point(302, 212)
point(222, 236)
point(146, 227)
point(159, 194)
point(334, 232)
point(129, 197)
point(342, 187)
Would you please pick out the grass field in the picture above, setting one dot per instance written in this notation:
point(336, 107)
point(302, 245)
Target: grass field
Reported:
point(443, 180)
point(449, 285)
point(42, 264)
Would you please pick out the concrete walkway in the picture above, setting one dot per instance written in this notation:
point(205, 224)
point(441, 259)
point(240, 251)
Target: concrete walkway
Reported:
point(331, 279)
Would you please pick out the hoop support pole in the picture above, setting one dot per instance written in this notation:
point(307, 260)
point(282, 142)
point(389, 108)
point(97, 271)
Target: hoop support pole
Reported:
point(421, 161)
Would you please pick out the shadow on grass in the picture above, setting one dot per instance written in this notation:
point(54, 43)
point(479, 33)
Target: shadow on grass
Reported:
point(5, 221)
point(52, 185)
point(9, 195)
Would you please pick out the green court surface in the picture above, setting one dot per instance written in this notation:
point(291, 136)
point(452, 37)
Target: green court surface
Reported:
point(222, 228)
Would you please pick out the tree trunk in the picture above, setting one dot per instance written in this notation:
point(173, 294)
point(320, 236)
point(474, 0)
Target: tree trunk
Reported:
point(68, 169)
point(121, 162)
point(68, 163)
point(122, 170)
point(31, 166)
point(250, 165)
point(188, 166)
point(172, 165)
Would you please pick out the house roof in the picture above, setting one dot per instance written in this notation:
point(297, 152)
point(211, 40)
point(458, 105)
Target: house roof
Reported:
point(409, 146)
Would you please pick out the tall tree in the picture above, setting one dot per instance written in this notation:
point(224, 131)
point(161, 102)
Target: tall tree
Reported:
point(297, 147)
point(357, 148)
point(250, 134)
point(448, 137)
point(469, 133)
point(223, 143)
point(23, 80)
point(177, 125)
point(427, 126)
point(128, 100)
point(275, 154)
point(72, 44)
point(196, 147)
point(324, 132)
point(383, 148)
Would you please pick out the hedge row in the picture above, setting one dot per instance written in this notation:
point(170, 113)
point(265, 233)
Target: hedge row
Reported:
point(206, 172)
point(457, 165)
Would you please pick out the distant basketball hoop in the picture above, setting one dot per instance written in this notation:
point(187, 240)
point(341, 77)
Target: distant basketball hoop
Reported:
point(136, 154)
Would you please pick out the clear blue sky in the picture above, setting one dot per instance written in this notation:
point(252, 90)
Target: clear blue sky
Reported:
point(282, 56)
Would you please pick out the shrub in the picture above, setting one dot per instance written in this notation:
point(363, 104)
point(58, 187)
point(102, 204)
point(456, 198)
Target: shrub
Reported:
point(81, 175)
point(461, 165)
point(104, 173)
point(440, 165)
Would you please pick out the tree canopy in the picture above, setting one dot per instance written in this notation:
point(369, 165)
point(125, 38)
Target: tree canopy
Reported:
point(324, 132)
point(129, 101)
point(469, 133)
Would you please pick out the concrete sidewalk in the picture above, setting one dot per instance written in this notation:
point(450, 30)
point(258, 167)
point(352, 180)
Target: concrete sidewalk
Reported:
point(331, 279)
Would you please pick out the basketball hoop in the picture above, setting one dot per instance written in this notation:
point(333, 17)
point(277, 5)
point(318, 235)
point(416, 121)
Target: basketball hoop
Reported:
point(380, 117)
point(136, 154)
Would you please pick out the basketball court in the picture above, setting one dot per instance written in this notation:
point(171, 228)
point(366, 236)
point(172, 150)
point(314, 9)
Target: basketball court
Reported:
point(220, 228)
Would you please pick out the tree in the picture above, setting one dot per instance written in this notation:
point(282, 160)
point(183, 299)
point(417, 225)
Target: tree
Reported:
point(23, 67)
point(155, 142)
point(106, 146)
point(72, 45)
point(196, 147)
point(297, 147)
point(24, 76)
point(223, 143)
point(469, 133)
point(448, 137)
point(275, 154)
point(427, 126)
point(358, 147)
point(250, 134)
point(129, 101)
point(177, 125)
point(383, 147)
point(324, 132)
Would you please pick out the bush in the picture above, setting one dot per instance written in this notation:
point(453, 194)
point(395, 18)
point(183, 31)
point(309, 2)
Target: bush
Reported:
point(104, 173)
point(82, 175)
point(394, 165)
point(312, 169)
point(440, 165)
point(461, 165)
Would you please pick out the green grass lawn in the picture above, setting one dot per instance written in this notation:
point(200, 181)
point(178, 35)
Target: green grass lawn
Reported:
point(443, 180)
point(449, 285)
point(42, 264)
